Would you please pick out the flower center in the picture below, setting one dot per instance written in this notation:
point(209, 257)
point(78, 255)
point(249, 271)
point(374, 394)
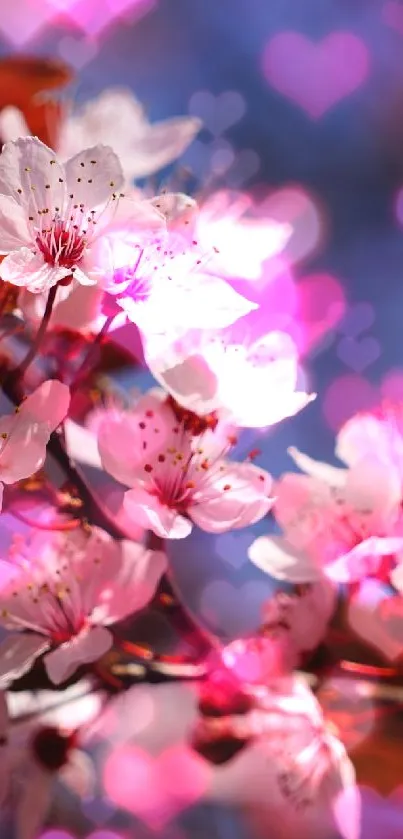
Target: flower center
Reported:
point(51, 748)
point(61, 245)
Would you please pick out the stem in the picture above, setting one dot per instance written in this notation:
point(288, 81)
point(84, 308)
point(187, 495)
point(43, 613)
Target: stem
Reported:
point(84, 368)
point(22, 368)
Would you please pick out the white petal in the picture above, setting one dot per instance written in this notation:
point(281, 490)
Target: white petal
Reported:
point(30, 173)
point(331, 475)
point(81, 444)
point(161, 143)
point(33, 805)
point(275, 556)
point(93, 176)
point(17, 655)
point(206, 302)
point(82, 649)
point(12, 124)
point(25, 268)
point(13, 225)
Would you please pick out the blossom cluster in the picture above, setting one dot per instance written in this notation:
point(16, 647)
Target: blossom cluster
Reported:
point(86, 251)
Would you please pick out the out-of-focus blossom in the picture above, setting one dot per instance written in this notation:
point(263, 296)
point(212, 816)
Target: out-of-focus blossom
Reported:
point(25, 434)
point(244, 242)
point(343, 522)
point(59, 592)
point(300, 618)
point(50, 214)
point(253, 383)
point(178, 476)
point(32, 755)
point(279, 716)
point(160, 281)
point(116, 118)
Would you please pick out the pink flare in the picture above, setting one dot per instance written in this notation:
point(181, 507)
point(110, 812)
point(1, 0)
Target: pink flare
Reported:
point(346, 396)
point(322, 304)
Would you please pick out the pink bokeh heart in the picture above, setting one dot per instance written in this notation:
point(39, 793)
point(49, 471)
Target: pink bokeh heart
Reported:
point(155, 788)
point(218, 112)
point(392, 15)
point(316, 76)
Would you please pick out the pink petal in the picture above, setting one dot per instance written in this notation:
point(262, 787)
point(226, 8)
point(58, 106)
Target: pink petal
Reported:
point(277, 557)
point(372, 485)
point(17, 655)
point(119, 445)
point(366, 619)
point(147, 511)
point(13, 225)
point(361, 436)
point(48, 404)
point(246, 501)
point(363, 560)
point(85, 648)
point(130, 578)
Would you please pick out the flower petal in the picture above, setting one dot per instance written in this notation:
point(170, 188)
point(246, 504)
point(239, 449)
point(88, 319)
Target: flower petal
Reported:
point(316, 469)
point(119, 445)
point(13, 225)
point(25, 268)
point(244, 501)
point(148, 512)
point(17, 655)
point(88, 646)
point(93, 176)
point(364, 559)
point(12, 124)
point(33, 805)
point(48, 404)
point(365, 435)
point(131, 581)
point(160, 144)
point(275, 556)
point(30, 173)
point(206, 302)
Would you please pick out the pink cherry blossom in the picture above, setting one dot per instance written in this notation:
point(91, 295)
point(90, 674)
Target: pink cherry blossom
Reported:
point(177, 476)
point(51, 214)
point(25, 434)
point(285, 723)
point(300, 619)
point(116, 118)
point(337, 521)
point(60, 591)
point(163, 281)
point(253, 383)
point(378, 433)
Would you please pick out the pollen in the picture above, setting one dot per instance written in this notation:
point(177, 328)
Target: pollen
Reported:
point(4, 435)
point(226, 487)
point(148, 467)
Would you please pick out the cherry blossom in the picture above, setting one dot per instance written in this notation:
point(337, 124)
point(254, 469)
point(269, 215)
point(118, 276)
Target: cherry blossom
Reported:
point(25, 434)
point(253, 383)
point(33, 753)
point(59, 592)
point(51, 214)
point(116, 118)
point(299, 618)
point(163, 281)
point(276, 716)
point(340, 522)
point(177, 471)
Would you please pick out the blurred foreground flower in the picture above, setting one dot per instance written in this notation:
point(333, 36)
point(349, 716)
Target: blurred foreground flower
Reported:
point(115, 118)
point(25, 434)
point(59, 592)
